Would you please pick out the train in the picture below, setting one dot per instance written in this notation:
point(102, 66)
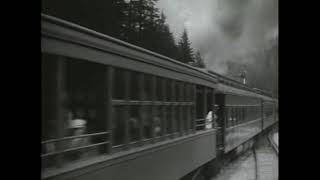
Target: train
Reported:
point(112, 110)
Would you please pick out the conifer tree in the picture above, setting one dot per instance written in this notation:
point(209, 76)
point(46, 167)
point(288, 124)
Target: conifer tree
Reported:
point(185, 50)
point(199, 60)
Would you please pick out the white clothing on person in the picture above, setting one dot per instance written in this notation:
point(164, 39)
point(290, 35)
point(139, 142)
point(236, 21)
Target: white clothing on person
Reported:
point(209, 120)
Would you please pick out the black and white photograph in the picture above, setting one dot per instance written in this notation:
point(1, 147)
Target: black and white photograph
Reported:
point(159, 90)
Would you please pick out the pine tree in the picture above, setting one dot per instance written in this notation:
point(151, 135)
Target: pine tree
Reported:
point(199, 60)
point(99, 15)
point(165, 43)
point(139, 21)
point(185, 50)
point(135, 21)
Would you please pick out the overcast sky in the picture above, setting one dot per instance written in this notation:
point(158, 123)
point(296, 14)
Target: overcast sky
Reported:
point(224, 30)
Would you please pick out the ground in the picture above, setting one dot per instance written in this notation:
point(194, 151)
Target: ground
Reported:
point(263, 160)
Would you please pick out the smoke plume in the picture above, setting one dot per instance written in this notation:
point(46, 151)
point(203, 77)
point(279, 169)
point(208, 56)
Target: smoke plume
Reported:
point(226, 31)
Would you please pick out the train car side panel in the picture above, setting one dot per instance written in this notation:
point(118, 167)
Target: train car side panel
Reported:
point(241, 133)
point(168, 163)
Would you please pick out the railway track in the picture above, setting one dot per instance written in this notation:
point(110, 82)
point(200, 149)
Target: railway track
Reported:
point(266, 160)
point(259, 163)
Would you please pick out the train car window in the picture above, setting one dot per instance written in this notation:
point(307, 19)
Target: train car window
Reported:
point(168, 91)
point(210, 100)
point(253, 110)
point(118, 84)
point(85, 82)
point(178, 119)
point(134, 123)
point(146, 117)
point(249, 118)
point(185, 118)
point(209, 108)
point(182, 92)
point(134, 85)
point(193, 92)
point(188, 118)
point(240, 115)
point(230, 116)
point(192, 117)
point(199, 102)
point(186, 92)
point(49, 94)
point(168, 114)
point(163, 116)
point(119, 124)
point(159, 93)
point(237, 115)
point(147, 87)
point(50, 108)
point(73, 92)
point(177, 91)
point(268, 110)
point(200, 107)
point(233, 112)
point(157, 121)
point(254, 113)
point(225, 116)
point(243, 114)
point(163, 89)
point(182, 112)
point(174, 119)
point(173, 91)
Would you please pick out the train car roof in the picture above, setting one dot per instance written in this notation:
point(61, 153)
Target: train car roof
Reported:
point(225, 89)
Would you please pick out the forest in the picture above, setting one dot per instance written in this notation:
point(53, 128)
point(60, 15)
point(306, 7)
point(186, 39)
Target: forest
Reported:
point(138, 22)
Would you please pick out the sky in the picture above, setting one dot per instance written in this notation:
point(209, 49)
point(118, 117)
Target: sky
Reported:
point(224, 30)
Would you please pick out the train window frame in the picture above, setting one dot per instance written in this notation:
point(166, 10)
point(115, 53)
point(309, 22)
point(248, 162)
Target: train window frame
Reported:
point(176, 103)
point(201, 107)
point(66, 102)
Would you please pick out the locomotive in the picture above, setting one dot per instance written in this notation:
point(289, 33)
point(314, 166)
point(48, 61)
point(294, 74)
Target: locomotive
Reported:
point(112, 110)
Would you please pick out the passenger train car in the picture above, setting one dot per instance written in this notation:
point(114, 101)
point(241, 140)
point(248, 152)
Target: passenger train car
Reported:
point(111, 110)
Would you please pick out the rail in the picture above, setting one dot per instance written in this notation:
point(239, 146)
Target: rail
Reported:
point(76, 148)
point(73, 137)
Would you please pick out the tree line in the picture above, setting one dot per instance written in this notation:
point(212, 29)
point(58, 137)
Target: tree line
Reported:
point(138, 22)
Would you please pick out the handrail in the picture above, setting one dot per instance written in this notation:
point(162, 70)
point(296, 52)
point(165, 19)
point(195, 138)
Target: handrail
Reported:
point(74, 137)
point(74, 149)
point(197, 120)
point(118, 102)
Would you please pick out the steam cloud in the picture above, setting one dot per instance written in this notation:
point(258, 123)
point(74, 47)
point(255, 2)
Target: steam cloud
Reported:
point(225, 30)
